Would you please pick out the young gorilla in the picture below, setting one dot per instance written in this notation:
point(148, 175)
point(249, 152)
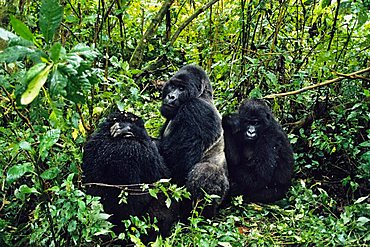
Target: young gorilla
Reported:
point(191, 140)
point(258, 153)
point(122, 153)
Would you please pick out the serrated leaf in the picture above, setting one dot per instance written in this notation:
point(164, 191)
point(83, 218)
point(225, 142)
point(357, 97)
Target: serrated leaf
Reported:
point(47, 141)
point(14, 53)
point(17, 171)
point(58, 83)
point(51, 14)
point(35, 85)
point(50, 173)
point(21, 29)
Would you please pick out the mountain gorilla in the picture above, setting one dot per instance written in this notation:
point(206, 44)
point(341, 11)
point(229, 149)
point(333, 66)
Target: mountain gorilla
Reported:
point(258, 153)
point(122, 153)
point(191, 140)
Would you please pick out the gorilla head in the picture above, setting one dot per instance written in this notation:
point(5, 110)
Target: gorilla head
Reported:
point(255, 118)
point(190, 81)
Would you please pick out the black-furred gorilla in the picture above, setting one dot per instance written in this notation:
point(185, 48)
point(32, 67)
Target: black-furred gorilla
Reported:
point(122, 153)
point(191, 140)
point(258, 153)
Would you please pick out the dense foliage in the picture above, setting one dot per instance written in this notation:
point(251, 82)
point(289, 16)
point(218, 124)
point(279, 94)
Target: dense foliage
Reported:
point(65, 64)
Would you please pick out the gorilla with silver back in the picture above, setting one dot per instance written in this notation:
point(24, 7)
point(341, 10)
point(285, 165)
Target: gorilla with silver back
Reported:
point(191, 140)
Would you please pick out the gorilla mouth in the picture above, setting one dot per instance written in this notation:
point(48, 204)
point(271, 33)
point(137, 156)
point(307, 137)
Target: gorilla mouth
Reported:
point(169, 106)
point(127, 134)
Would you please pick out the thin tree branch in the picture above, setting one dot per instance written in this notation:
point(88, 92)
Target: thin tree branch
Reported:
point(25, 119)
point(343, 76)
point(136, 57)
point(189, 20)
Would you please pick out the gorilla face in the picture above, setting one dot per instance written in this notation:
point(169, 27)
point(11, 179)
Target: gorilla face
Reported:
point(127, 126)
point(254, 119)
point(189, 82)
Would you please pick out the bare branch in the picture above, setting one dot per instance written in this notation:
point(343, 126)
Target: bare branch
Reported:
point(137, 55)
point(343, 76)
point(189, 20)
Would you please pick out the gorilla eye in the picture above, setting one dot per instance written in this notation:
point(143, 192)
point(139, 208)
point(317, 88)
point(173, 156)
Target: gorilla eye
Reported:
point(254, 122)
point(181, 88)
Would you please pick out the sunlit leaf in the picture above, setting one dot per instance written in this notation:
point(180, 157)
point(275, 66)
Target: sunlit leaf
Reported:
point(50, 173)
point(17, 171)
point(21, 29)
point(35, 85)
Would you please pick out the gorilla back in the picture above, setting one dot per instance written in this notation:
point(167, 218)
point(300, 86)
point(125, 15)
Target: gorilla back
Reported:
point(191, 141)
point(122, 153)
point(258, 153)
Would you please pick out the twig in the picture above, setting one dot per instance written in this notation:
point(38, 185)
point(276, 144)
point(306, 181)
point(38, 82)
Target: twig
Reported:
point(118, 186)
point(16, 109)
point(87, 128)
point(189, 20)
point(343, 76)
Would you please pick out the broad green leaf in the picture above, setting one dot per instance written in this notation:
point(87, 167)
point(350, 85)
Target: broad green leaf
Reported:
point(25, 145)
point(57, 52)
point(17, 171)
point(24, 190)
point(35, 85)
point(21, 29)
point(15, 53)
point(272, 78)
point(50, 173)
point(51, 14)
point(6, 35)
point(33, 72)
point(47, 141)
point(72, 226)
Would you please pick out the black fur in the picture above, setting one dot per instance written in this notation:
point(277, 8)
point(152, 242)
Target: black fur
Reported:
point(191, 140)
point(260, 167)
point(128, 158)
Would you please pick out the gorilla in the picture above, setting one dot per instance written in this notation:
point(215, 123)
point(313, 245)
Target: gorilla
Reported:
point(258, 153)
point(191, 140)
point(122, 153)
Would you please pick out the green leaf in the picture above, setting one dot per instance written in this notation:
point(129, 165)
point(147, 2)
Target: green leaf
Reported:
point(24, 190)
point(35, 84)
point(17, 171)
point(272, 77)
point(21, 29)
point(25, 145)
point(56, 52)
point(15, 53)
point(51, 14)
point(50, 173)
point(47, 141)
point(153, 193)
point(72, 226)
point(6, 35)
